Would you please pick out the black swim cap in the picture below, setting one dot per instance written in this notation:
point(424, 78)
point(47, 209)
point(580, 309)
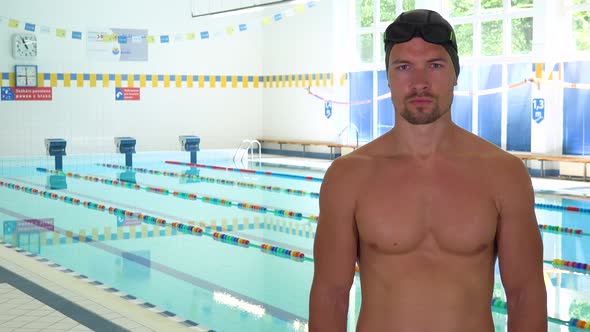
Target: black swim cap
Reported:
point(424, 23)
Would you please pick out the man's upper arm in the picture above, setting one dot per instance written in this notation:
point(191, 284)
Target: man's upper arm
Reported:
point(520, 248)
point(335, 244)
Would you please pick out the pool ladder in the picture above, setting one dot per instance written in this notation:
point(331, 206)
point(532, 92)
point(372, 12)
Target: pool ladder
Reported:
point(246, 150)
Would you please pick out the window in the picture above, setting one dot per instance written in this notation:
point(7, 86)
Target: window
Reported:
point(485, 29)
point(370, 81)
point(581, 25)
point(502, 31)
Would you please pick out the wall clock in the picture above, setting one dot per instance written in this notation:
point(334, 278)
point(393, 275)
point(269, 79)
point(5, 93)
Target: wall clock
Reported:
point(24, 46)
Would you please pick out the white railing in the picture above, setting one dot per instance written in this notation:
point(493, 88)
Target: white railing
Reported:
point(246, 151)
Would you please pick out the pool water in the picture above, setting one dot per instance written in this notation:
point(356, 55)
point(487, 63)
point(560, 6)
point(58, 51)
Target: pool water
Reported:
point(221, 284)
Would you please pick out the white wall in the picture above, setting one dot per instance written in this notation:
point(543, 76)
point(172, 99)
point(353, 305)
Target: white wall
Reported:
point(88, 118)
point(317, 42)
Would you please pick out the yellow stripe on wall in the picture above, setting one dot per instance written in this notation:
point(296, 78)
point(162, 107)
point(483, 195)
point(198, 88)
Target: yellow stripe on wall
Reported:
point(289, 80)
point(142, 80)
point(245, 81)
point(92, 80)
point(166, 81)
point(201, 81)
point(130, 80)
point(67, 80)
point(317, 79)
point(223, 81)
point(256, 82)
point(118, 79)
point(154, 81)
point(211, 81)
point(178, 81)
point(332, 79)
point(324, 79)
point(297, 80)
point(538, 70)
point(189, 81)
point(234, 81)
point(80, 80)
point(11, 79)
point(53, 79)
point(105, 80)
point(40, 83)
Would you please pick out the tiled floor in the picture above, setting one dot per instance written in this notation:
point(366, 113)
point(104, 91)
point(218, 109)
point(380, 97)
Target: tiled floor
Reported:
point(47, 299)
point(21, 312)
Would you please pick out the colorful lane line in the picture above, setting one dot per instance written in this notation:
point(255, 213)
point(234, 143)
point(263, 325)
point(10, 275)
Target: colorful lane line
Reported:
point(279, 189)
point(248, 171)
point(184, 228)
point(562, 208)
point(206, 179)
point(559, 229)
point(190, 196)
point(569, 265)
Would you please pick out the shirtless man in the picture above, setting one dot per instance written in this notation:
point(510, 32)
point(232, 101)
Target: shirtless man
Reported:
point(425, 210)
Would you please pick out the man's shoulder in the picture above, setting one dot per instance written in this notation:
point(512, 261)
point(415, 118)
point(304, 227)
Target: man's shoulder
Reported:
point(493, 153)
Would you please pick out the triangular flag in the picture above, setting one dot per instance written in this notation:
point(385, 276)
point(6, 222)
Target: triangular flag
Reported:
point(60, 33)
point(230, 30)
point(150, 39)
point(300, 8)
point(266, 20)
point(190, 36)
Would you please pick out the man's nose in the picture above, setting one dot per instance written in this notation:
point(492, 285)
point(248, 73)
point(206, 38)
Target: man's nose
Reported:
point(420, 80)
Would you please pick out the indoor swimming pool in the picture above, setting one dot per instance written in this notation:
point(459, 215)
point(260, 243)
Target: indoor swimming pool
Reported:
point(226, 249)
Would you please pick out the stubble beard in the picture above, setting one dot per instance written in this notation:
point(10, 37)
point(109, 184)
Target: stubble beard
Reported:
point(421, 115)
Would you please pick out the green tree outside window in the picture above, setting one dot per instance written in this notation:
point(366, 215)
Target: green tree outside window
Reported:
point(387, 8)
point(460, 8)
point(365, 44)
point(521, 3)
point(522, 35)
point(581, 24)
point(492, 37)
point(366, 10)
point(409, 4)
point(464, 34)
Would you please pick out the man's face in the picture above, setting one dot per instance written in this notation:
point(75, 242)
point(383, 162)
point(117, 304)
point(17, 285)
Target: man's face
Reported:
point(421, 78)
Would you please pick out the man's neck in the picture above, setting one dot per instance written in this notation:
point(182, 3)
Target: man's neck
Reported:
point(423, 141)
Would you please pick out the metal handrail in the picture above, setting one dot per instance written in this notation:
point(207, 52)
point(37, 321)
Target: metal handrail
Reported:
point(248, 151)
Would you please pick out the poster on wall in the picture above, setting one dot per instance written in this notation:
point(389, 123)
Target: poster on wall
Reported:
point(117, 44)
point(127, 94)
point(18, 94)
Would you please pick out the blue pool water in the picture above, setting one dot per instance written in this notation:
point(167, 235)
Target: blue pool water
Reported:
point(223, 286)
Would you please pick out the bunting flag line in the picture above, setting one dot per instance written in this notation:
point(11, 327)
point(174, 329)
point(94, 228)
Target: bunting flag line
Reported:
point(164, 38)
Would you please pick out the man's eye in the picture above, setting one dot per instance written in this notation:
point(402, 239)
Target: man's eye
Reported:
point(436, 65)
point(403, 67)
